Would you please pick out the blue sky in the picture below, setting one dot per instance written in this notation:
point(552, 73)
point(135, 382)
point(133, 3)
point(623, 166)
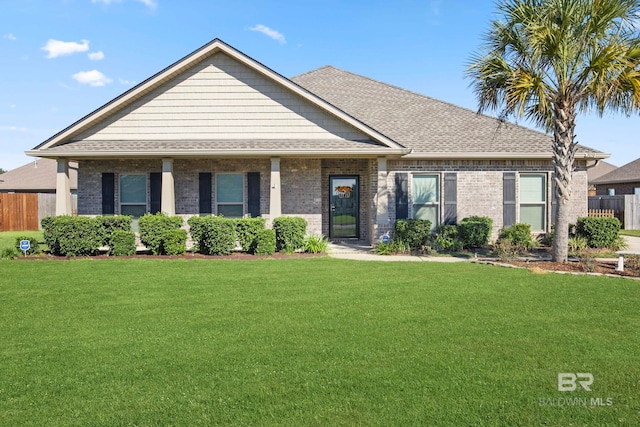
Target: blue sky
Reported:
point(65, 58)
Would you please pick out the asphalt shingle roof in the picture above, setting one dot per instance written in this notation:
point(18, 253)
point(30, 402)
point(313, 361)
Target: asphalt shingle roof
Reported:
point(416, 121)
point(626, 173)
point(39, 175)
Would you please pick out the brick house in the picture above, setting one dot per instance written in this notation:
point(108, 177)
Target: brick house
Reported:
point(219, 133)
point(620, 181)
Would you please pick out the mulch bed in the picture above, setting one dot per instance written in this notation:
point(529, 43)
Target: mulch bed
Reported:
point(574, 267)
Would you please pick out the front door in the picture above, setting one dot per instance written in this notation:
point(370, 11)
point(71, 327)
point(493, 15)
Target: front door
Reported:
point(344, 209)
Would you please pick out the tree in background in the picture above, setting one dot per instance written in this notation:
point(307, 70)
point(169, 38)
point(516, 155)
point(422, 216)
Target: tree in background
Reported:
point(548, 61)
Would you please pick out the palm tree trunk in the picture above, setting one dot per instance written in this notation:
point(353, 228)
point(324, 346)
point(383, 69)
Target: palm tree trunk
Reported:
point(564, 148)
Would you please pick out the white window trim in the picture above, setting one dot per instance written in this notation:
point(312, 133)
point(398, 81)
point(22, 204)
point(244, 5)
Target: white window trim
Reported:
point(244, 192)
point(544, 203)
point(437, 204)
point(146, 191)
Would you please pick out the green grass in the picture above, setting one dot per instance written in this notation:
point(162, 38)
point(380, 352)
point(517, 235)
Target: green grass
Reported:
point(635, 233)
point(8, 238)
point(314, 341)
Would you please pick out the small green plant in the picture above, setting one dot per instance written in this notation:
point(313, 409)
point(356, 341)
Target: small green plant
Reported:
point(415, 233)
point(446, 239)
point(122, 243)
point(474, 231)
point(316, 244)
point(9, 253)
point(587, 260)
point(394, 247)
point(520, 236)
point(290, 232)
point(506, 250)
point(265, 242)
point(34, 247)
point(577, 244)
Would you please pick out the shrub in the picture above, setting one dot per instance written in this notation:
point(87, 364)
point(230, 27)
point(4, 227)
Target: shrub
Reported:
point(33, 243)
point(506, 250)
point(396, 246)
point(112, 223)
point(316, 244)
point(214, 235)
point(520, 236)
point(474, 231)
point(599, 232)
point(265, 242)
point(247, 230)
point(153, 227)
point(446, 239)
point(290, 232)
point(9, 253)
point(415, 233)
point(174, 242)
point(577, 244)
point(122, 243)
point(73, 236)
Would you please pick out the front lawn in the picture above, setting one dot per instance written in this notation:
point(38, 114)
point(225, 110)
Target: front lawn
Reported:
point(8, 238)
point(314, 341)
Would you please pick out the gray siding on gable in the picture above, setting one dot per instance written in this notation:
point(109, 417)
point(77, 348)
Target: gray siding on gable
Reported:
point(221, 99)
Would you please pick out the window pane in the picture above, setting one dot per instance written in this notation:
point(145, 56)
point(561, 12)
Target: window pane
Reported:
point(534, 215)
point(229, 188)
point(426, 212)
point(230, 211)
point(425, 188)
point(135, 211)
point(532, 188)
point(133, 189)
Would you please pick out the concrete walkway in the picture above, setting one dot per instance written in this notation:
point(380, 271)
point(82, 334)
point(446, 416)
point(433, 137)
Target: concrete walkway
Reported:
point(634, 243)
point(360, 252)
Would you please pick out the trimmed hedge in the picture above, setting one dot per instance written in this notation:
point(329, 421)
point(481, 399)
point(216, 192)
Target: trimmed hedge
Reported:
point(446, 239)
point(73, 235)
point(247, 231)
point(414, 233)
point(214, 235)
point(290, 232)
point(122, 243)
point(152, 228)
point(599, 232)
point(174, 242)
point(474, 231)
point(265, 242)
point(519, 235)
point(112, 223)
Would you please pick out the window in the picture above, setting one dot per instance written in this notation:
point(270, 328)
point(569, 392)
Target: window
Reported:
point(133, 195)
point(533, 191)
point(611, 191)
point(426, 198)
point(636, 191)
point(230, 195)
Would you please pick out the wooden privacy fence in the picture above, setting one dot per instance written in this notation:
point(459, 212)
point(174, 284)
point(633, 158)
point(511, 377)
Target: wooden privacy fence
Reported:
point(625, 207)
point(24, 211)
point(18, 211)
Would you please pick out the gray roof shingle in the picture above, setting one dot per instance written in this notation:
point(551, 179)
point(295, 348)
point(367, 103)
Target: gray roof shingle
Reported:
point(625, 173)
point(39, 176)
point(423, 124)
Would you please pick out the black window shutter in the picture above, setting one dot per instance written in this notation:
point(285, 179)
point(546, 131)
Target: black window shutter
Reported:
point(155, 190)
point(205, 192)
point(108, 193)
point(253, 188)
point(450, 198)
point(402, 195)
point(509, 199)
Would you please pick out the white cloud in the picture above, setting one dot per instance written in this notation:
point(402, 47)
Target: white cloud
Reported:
point(276, 35)
point(13, 129)
point(126, 82)
point(10, 36)
point(57, 48)
point(96, 56)
point(105, 1)
point(151, 4)
point(92, 78)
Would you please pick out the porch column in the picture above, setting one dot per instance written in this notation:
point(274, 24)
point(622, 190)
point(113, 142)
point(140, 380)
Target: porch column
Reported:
point(275, 194)
point(63, 189)
point(382, 212)
point(168, 200)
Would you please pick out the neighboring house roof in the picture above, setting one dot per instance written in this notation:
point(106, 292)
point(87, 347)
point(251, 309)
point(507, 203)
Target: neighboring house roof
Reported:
point(36, 176)
point(626, 173)
point(601, 168)
point(430, 127)
point(217, 101)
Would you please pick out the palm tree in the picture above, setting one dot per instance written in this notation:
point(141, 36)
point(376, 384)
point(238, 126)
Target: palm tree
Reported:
point(549, 60)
